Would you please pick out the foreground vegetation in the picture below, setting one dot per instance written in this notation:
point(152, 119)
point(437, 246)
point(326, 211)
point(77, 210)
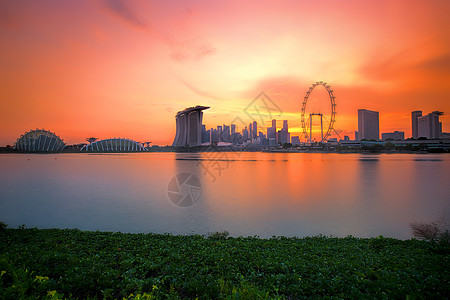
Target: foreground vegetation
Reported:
point(75, 264)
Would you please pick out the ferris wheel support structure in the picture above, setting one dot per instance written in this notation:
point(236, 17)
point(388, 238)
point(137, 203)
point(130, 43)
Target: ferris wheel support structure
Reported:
point(310, 125)
point(332, 117)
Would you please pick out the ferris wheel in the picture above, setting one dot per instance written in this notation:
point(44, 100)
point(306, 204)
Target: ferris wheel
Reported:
point(323, 107)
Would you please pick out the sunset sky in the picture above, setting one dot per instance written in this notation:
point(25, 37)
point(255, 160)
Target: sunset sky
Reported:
point(115, 68)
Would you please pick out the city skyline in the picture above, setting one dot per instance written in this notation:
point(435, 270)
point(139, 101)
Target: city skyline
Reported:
point(117, 68)
point(192, 133)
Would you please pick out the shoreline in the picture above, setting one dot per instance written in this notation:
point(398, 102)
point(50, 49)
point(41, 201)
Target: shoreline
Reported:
point(234, 151)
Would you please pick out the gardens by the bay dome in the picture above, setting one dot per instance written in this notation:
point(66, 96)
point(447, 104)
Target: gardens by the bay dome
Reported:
point(114, 145)
point(39, 140)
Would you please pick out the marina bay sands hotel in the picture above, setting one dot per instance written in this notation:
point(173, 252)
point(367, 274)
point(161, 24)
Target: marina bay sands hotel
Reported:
point(189, 127)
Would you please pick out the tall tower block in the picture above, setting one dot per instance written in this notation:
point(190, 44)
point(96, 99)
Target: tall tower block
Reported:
point(189, 127)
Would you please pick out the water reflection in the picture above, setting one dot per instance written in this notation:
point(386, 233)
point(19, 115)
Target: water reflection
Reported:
point(265, 194)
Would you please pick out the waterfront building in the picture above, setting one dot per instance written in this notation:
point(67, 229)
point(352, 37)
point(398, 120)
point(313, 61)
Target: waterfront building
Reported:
point(396, 135)
point(356, 136)
point(39, 140)
point(114, 145)
point(429, 126)
point(255, 129)
point(188, 122)
point(332, 142)
point(295, 140)
point(414, 123)
point(368, 124)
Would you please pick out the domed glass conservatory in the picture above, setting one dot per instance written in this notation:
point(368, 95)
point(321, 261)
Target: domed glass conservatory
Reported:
point(114, 145)
point(39, 140)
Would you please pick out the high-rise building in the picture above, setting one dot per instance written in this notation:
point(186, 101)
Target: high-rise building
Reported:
point(226, 137)
point(356, 136)
point(368, 124)
point(206, 135)
point(283, 136)
point(214, 136)
point(189, 127)
point(233, 128)
point(295, 140)
point(429, 126)
point(271, 133)
point(245, 134)
point(219, 133)
point(255, 129)
point(414, 123)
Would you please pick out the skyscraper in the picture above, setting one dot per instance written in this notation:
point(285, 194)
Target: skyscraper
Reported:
point(283, 136)
point(214, 136)
point(219, 132)
point(245, 134)
point(271, 133)
point(255, 129)
point(250, 131)
point(226, 137)
point(414, 123)
point(233, 128)
point(285, 125)
point(368, 124)
point(206, 135)
point(189, 127)
point(429, 126)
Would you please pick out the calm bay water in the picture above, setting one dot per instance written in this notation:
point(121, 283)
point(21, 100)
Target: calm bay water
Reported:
point(264, 194)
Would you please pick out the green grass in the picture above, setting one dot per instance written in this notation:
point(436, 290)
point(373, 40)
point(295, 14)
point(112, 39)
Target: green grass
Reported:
point(51, 264)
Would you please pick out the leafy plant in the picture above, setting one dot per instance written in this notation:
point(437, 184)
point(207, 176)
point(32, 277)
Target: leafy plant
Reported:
point(218, 235)
point(3, 226)
point(108, 265)
point(23, 284)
